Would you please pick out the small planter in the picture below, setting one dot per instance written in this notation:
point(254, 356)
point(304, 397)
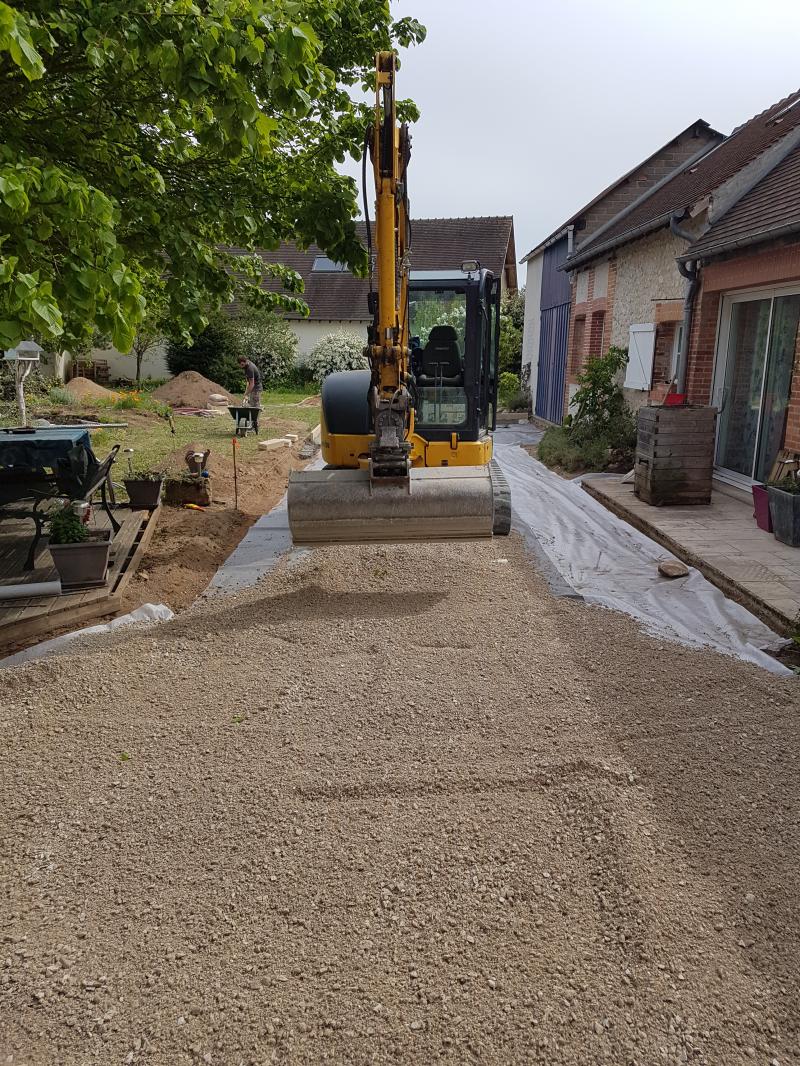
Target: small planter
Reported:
point(784, 507)
point(143, 493)
point(83, 564)
point(761, 508)
point(197, 491)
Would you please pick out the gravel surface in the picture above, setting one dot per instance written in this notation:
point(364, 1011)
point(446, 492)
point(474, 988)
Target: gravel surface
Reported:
point(398, 805)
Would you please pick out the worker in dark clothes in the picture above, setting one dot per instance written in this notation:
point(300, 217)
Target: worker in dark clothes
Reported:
point(252, 393)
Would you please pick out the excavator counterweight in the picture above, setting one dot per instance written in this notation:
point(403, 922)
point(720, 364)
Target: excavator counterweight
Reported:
point(408, 443)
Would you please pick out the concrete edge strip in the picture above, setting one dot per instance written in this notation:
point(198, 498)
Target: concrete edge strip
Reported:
point(762, 610)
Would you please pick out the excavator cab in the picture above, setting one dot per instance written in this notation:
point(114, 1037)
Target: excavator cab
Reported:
point(454, 323)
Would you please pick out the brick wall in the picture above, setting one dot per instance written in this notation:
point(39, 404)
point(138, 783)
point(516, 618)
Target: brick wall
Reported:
point(588, 320)
point(662, 358)
point(773, 266)
point(702, 345)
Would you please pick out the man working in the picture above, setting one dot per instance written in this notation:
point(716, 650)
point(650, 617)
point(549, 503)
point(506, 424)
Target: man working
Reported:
point(252, 393)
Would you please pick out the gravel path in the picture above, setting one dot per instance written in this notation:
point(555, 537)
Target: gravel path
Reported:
point(398, 805)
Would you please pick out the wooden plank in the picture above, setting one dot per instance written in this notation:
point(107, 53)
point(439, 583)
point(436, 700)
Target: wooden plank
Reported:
point(33, 616)
point(131, 565)
point(45, 623)
point(676, 462)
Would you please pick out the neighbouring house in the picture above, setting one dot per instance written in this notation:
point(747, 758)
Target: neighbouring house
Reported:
point(337, 300)
point(631, 285)
point(547, 288)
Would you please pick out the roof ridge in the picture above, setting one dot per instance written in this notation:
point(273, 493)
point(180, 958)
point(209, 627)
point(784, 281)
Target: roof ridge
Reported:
point(767, 110)
point(622, 178)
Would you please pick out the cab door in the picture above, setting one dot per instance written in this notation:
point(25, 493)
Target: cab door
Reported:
point(493, 353)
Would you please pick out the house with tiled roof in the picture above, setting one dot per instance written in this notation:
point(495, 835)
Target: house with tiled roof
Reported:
point(547, 287)
point(337, 299)
point(700, 279)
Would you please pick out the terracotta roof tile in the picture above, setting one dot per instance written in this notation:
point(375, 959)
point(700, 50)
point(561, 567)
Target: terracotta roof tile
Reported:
point(770, 209)
point(437, 244)
point(701, 179)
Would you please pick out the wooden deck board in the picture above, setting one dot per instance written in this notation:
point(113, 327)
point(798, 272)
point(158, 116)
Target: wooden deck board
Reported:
point(35, 615)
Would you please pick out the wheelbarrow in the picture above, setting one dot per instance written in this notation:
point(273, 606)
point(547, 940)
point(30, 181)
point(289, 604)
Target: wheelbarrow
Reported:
point(245, 419)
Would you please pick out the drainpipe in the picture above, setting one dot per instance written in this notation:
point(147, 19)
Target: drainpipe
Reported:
point(690, 272)
point(570, 240)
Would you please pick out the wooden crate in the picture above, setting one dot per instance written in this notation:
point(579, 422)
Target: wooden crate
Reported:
point(675, 454)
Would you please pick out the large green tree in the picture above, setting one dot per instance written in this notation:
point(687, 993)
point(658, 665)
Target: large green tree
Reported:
point(137, 137)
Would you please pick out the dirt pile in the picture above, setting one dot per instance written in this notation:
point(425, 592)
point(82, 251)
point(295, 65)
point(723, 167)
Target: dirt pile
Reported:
point(84, 389)
point(189, 389)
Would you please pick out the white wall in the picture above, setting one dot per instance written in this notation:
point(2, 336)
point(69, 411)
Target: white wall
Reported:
point(533, 321)
point(154, 365)
point(310, 332)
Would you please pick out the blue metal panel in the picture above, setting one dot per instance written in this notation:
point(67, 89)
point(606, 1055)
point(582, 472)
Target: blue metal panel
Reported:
point(552, 363)
point(555, 282)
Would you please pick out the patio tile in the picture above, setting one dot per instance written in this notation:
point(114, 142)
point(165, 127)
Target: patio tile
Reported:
point(724, 537)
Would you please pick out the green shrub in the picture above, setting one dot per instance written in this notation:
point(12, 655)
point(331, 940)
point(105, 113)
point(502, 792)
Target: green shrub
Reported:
point(601, 431)
point(213, 354)
point(337, 351)
point(61, 396)
point(556, 449)
point(270, 342)
point(508, 388)
point(787, 484)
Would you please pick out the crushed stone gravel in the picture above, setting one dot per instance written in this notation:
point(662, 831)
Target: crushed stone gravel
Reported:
point(398, 804)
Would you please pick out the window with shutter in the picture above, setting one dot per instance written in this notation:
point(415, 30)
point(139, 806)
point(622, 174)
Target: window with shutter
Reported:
point(641, 349)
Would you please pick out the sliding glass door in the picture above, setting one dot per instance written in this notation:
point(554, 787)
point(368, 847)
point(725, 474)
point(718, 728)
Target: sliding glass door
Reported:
point(758, 334)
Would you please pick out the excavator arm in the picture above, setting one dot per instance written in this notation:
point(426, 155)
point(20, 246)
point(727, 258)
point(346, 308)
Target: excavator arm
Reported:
point(376, 493)
point(389, 398)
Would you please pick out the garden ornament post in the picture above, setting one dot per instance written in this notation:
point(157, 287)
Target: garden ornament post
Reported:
point(24, 356)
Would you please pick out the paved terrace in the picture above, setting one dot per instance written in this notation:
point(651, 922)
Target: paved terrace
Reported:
point(723, 542)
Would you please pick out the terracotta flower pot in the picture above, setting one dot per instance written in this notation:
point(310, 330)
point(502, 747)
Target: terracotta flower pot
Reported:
point(85, 563)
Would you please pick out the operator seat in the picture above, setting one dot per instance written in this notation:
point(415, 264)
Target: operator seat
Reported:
point(441, 359)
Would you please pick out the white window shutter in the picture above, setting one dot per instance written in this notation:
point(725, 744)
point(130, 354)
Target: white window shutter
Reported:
point(641, 350)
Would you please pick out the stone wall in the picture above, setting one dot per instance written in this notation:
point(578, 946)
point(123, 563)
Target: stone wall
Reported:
point(646, 274)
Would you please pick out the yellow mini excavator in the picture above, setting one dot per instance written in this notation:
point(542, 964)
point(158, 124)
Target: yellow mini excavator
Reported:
point(408, 443)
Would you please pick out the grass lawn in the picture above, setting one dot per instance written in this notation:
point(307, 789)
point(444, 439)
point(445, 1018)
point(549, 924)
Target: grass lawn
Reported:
point(152, 438)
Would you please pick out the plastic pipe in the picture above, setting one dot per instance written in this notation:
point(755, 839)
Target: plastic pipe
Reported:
point(33, 588)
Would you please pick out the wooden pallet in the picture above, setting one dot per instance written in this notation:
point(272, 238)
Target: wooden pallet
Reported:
point(675, 455)
point(23, 619)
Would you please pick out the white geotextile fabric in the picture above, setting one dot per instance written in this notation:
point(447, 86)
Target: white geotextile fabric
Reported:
point(148, 612)
point(609, 562)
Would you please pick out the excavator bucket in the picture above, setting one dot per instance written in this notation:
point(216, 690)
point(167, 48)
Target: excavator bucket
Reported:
point(436, 503)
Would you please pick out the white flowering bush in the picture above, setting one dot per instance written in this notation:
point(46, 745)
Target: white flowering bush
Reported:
point(337, 351)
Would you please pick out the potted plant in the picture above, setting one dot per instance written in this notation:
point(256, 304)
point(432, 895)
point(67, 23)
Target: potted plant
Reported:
point(784, 508)
point(143, 485)
point(80, 554)
point(144, 489)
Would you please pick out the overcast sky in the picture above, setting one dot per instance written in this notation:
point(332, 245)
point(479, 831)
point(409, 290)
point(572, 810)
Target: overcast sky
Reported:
point(532, 107)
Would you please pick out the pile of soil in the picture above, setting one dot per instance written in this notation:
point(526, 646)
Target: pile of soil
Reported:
point(189, 389)
point(83, 388)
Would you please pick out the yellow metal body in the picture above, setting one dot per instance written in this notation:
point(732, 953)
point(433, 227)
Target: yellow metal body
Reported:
point(352, 450)
point(392, 265)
